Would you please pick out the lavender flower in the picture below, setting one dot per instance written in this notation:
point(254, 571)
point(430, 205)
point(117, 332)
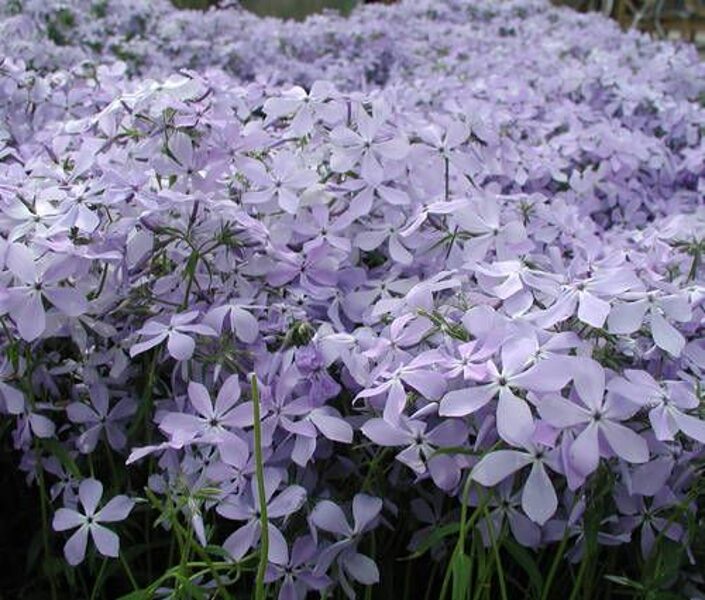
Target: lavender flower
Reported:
point(89, 522)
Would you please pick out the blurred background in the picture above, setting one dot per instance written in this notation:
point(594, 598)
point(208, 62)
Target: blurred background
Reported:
point(666, 18)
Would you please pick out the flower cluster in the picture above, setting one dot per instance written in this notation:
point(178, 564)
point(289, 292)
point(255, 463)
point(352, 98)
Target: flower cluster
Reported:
point(477, 265)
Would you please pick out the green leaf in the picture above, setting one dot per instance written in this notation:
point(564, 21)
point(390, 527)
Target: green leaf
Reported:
point(526, 561)
point(460, 570)
point(194, 591)
point(670, 557)
point(437, 536)
point(137, 595)
point(625, 582)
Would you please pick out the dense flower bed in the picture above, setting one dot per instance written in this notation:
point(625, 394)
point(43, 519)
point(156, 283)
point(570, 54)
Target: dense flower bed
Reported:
point(457, 246)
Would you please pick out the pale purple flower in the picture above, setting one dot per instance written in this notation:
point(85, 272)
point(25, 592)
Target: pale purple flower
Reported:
point(482, 219)
point(588, 297)
point(519, 371)
point(245, 507)
point(98, 417)
point(300, 106)
point(666, 402)
point(36, 281)
point(89, 521)
point(538, 497)
point(329, 517)
point(297, 575)
point(420, 452)
point(372, 142)
point(418, 375)
point(627, 317)
point(214, 423)
point(650, 516)
point(177, 335)
point(284, 183)
point(600, 415)
point(504, 507)
point(242, 323)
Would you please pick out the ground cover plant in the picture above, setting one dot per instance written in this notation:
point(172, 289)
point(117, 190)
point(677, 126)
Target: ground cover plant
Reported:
point(406, 304)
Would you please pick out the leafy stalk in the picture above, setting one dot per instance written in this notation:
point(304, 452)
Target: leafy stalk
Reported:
point(260, 593)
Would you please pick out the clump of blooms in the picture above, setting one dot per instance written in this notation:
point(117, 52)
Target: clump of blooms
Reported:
point(461, 273)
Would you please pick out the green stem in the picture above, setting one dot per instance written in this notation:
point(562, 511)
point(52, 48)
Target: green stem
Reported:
point(99, 579)
point(128, 571)
point(431, 579)
point(111, 462)
point(191, 274)
point(554, 565)
point(447, 179)
point(372, 469)
point(181, 534)
point(44, 501)
point(145, 409)
point(260, 593)
point(577, 584)
point(495, 552)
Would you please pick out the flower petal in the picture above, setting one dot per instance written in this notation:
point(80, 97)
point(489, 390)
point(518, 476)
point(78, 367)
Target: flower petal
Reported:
point(515, 423)
point(287, 502)
point(330, 517)
point(75, 547)
point(66, 518)
point(665, 335)
point(180, 346)
point(585, 450)
point(625, 443)
point(539, 499)
point(365, 510)
point(107, 542)
point(459, 403)
point(200, 399)
point(90, 492)
point(241, 540)
point(361, 568)
point(499, 465)
point(691, 426)
point(116, 509)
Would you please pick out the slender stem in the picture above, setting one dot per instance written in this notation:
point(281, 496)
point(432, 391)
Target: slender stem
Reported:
point(495, 551)
point(145, 409)
point(460, 545)
point(431, 580)
point(191, 274)
point(447, 178)
point(554, 565)
point(264, 521)
point(130, 576)
point(99, 579)
point(111, 462)
point(181, 535)
point(44, 501)
point(373, 552)
point(371, 470)
point(577, 583)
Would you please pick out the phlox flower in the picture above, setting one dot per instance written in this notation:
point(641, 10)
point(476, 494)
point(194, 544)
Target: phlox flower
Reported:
point(600, 416)
point(246, 507)
point(329, 517)
point(89, 521)
point(99, 417)
point(179, 343)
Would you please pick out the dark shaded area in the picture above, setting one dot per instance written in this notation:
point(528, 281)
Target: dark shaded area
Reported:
point(20, 529)
point(296, 9)
point(285, 9)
